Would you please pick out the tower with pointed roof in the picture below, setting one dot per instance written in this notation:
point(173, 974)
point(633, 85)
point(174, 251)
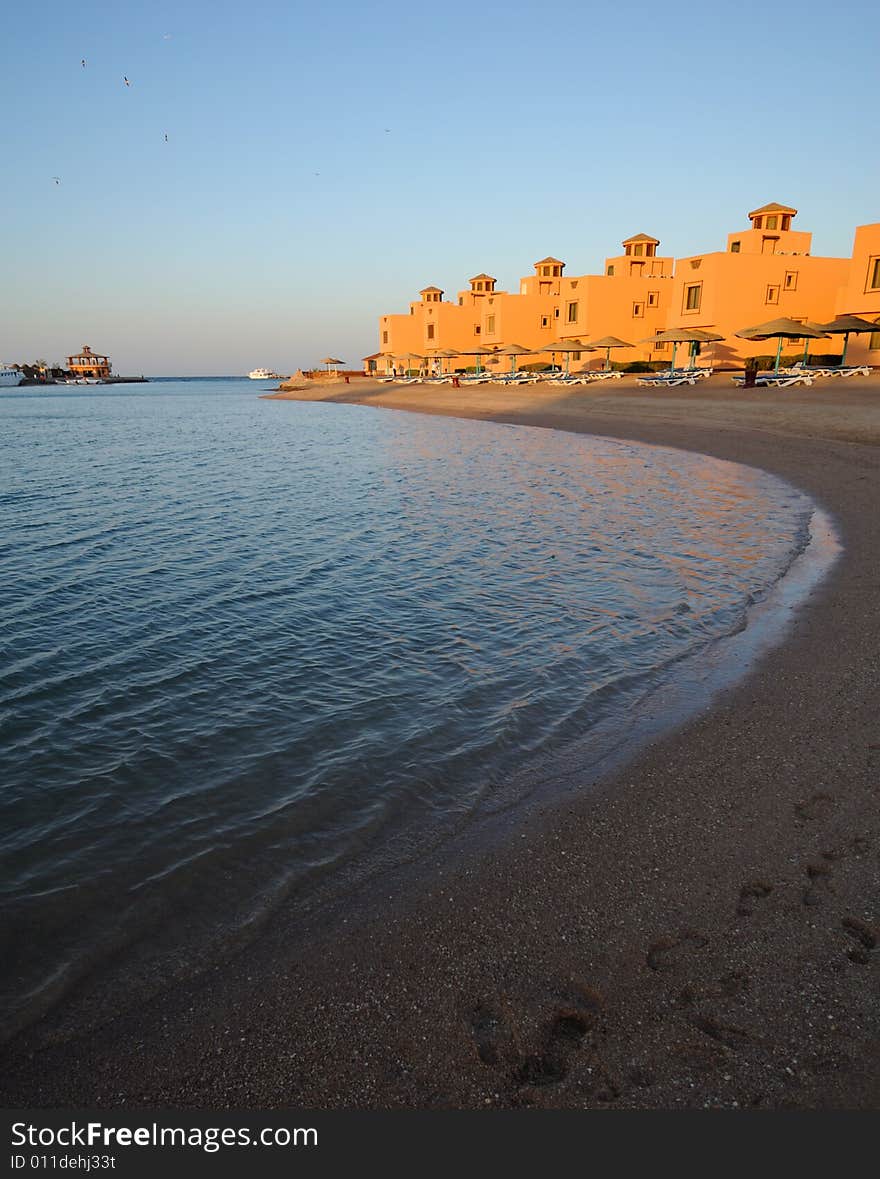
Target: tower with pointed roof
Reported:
point(770, 232)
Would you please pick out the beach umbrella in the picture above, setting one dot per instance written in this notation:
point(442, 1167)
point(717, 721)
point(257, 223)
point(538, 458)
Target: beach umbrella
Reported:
point(609, 342)
point(704, 337)
point(781, 329)
point(444, 354)
point(681, 335)
point(846, 326)
point(817, 327)
point(328, 360)
point(489, 350)
point(566, 347)
point(514, 350)
point(407, 356)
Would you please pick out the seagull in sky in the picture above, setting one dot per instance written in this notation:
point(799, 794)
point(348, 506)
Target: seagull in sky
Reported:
point(166, 136)
point(126, 81)
point(83, 63)
point(57, 179)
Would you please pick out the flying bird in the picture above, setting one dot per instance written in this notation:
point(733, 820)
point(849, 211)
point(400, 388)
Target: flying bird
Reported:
point(166, 136)
point(83, 63)
point(57, 179)
point(126, 81)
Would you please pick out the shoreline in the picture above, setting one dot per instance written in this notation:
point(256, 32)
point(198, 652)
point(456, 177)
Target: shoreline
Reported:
point(693, 930)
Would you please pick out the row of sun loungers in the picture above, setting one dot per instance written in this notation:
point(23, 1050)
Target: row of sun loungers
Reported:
point(830, 370)
point(671, 377)
point(780, 380)
point(797, 374)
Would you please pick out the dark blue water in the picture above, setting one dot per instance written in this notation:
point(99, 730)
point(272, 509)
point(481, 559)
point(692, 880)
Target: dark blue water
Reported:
point(244, 640)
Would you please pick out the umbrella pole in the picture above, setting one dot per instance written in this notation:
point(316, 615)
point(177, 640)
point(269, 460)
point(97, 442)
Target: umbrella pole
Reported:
point(845, 343)
point(674, 347)
point(608, 359)
point(778, 355)
point(567, 363)
point(806, 350)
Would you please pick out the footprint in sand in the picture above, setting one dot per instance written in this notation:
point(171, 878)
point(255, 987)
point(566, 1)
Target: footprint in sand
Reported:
point(488, 1033)
point(864, 935)
point(754, 890)
point(668, 953)
point(575, 1013)
point(817, 806)
point(724, 1033)
point(819, 887)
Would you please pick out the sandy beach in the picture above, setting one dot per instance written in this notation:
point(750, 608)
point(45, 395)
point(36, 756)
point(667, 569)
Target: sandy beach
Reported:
point(697, 930)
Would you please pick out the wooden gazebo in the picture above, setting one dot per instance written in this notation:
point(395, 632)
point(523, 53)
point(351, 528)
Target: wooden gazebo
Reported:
point(89, 364)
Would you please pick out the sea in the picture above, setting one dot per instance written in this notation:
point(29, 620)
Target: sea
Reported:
point(246, 644)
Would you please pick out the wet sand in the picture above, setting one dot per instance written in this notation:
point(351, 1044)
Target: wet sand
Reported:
point(699, 929)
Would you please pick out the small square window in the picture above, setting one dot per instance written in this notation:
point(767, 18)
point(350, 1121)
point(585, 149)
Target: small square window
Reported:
point(476, 329)
point(638, 310)
point(490, 325)
point(696, 263)
point(653, 298)
point(572, 313)
point(772, 295)
point(384, 337)
point(791, 277)
point(735, 247)
point(545, 321)
point(874, 338)
point(430, 331)
point(692, 297)
point(610, 271)
point(874, 274)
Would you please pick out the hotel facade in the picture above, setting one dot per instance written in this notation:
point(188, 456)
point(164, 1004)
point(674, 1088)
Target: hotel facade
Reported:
point(765, 272)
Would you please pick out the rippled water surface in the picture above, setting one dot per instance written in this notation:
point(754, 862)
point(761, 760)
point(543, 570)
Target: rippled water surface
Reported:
point(241, 640)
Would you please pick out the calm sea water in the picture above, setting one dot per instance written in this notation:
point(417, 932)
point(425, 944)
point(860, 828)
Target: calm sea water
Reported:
point(242, 641)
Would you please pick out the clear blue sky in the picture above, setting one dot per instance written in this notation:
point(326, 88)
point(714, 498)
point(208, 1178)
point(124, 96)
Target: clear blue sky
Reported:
point(515, 130)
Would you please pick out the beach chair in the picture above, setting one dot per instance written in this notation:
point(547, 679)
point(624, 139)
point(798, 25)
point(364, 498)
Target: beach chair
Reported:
point(667, 382)
point(603, 375)
point(780, 380)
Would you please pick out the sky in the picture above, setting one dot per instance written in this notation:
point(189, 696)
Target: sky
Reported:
point(323, 164)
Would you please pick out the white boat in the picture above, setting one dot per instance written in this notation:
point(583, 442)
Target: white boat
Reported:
point(263, 374)
point(10, 376)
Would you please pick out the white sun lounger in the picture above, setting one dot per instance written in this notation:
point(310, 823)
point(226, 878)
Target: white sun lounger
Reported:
point(780, 380)
point(668, 382)
point(832, 370)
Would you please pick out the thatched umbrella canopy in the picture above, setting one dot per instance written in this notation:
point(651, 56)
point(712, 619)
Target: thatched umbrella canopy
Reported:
point(328, 360)
point(408, 356)
point(849, 325)
point(608, 342)
point(781, 329)
point(442, 354)
point(683, 335)
point(566, 347)
point(514, 350)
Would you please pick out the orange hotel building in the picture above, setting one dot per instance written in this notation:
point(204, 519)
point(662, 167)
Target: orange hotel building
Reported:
point(765, 271)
